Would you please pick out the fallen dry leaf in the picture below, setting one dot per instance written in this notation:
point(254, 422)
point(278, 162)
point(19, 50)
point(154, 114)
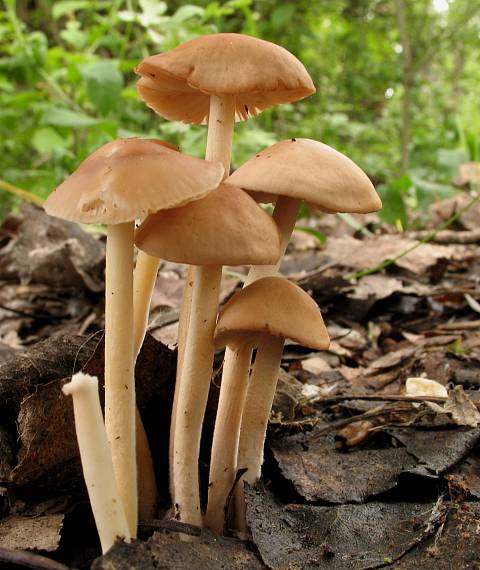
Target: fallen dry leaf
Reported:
point(462, 410)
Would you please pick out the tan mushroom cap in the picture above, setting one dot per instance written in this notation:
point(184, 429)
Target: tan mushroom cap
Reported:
point(129, 178)
point(273, 306)
point(178, 84)
point(311, 171)
point(227, 227)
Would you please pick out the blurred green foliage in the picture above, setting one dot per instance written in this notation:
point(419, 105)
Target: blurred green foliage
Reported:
point(67, 85)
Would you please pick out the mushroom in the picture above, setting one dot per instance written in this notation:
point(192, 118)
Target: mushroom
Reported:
point(287, 173)
point(120, 182)
point(260, 316)
point(225, 227)
point(219, 78)
point(96, 460)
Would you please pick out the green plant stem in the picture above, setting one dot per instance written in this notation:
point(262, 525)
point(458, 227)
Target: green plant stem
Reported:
point(387, 262)
point(20, 193)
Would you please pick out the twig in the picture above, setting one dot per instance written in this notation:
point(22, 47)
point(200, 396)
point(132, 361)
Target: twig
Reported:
point(431, 235)
point(24, 559)
point(20, 193)
point(448, 236)
point(383, 398)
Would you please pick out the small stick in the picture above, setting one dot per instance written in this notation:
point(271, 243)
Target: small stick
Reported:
point(383, 398)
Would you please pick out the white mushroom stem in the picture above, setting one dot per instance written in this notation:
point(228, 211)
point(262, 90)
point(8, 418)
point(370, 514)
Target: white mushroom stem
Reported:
point(256, 412)
point(223, 463)
point(97, 465)
point(144, 278)
point(196, 371)
point(182, 338)
point(119, 369)
point(285, 215)
point(193, 393)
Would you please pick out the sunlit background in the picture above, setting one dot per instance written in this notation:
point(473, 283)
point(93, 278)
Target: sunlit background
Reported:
point(397, 86)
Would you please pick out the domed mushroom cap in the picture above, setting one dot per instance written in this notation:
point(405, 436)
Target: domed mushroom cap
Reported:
point(129, 178)
point(227, 227)
point(311, 171)
point(178, 84)
point(274, 306)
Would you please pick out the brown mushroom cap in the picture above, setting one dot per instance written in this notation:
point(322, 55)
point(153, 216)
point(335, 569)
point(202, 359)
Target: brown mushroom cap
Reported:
point(311, 171)
point(274, 306)
point(227, 227)
point(129, 178)
point(178, 84)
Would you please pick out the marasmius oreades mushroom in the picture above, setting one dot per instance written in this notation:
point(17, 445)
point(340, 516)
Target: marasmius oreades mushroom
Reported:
point(262, 316)
point(226, 227)
point(219, 79)
point(122, 181)
point(288, 173)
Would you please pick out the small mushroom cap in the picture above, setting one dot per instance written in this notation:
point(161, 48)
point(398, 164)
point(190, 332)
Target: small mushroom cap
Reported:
point(311, 171)
point(227, 227)
point(129, 178)
point(178, 84)
point(274, 306)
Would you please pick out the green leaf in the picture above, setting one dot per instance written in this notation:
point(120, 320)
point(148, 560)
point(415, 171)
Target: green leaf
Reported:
point(104, 84)
point(394, 210)
point(66, 118)
point(74, 36)
point(186, 12)
point(46, 140)
point(66, 7)
point(322, 238)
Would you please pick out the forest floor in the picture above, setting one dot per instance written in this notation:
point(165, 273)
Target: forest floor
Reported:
point(356, 476)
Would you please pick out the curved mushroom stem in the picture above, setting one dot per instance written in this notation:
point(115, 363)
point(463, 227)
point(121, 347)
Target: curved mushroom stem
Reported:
point(119, 373)
point(196, 369)
point(223, 463)
point(96, 461)
point(193, 393)
point(144, 278)
point(256, 412)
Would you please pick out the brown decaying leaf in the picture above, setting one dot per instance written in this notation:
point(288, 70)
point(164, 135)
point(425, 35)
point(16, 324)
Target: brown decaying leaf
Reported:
point(461, 408)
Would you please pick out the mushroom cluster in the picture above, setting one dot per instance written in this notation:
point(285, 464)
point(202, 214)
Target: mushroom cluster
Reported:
point(191, 211)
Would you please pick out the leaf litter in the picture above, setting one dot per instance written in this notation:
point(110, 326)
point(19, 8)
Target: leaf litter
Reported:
point(339, 472)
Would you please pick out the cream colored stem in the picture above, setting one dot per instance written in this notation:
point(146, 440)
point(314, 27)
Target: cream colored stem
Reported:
point(221, 121)
point(223, 463)
point(119, 373)
point(285, 215)
point(193, 393)
point(258, 404)
point(144, 278)
point(182, 337)
point(96, 461)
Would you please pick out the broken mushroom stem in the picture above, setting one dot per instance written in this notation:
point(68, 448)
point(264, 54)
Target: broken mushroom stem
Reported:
point(96, 461)
point(223, 463)
point(119, 369)
point(198, 353)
